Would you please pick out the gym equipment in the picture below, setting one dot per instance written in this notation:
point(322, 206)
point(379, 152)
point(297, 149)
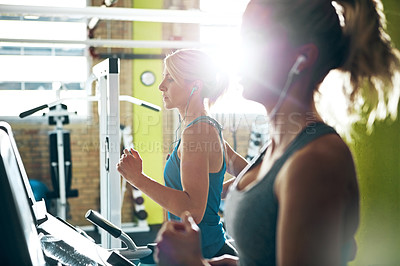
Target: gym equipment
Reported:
point(40, 191)
point(258, 137)
point(31, 235)
point(60, 159)
point(60, 155)
point(106, 73)
point(19, 242)
point(142, 255)
point(139, 211)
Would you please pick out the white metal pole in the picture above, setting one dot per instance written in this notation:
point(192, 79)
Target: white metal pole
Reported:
point(107, 73)
point(114, 201)
point(113, 43)
point(127, 14)
point(62, 201)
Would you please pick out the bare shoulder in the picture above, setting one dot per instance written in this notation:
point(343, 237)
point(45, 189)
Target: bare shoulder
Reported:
point(324, 153)
point(325, 165)
point(201, 132)
point(201, 137)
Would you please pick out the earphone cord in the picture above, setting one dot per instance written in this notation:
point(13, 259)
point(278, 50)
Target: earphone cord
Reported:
point(292, 73)
point(180, 124)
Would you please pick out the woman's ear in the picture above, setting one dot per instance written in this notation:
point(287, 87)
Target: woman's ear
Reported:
point(310, 52)
point(197, 86)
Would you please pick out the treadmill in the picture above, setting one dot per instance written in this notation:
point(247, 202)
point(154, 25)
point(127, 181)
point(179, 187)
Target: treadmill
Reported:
point(31, 235)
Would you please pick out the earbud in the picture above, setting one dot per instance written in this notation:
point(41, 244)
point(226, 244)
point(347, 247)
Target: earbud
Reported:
point(194, 89)
point(295, 68)
point(293, 71)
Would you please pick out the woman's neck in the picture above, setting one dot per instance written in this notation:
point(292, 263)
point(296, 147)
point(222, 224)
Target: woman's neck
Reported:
point(194, 110)
point(290, 120)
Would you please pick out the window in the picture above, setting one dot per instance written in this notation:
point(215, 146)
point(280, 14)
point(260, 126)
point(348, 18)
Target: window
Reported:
point(34, 73)
point(227, 53)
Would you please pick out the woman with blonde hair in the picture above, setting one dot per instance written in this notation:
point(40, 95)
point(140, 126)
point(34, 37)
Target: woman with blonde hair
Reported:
point(194, 172)
point(297, 203)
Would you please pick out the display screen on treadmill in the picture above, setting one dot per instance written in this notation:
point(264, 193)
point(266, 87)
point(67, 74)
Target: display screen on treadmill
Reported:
point(19, 242)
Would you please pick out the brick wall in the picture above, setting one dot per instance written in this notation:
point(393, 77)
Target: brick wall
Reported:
point(33, 143)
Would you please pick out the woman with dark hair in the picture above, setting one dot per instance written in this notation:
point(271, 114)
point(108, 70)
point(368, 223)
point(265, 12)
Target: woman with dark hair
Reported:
point(297, 203)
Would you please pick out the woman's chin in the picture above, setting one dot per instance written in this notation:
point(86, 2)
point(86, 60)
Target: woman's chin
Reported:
point(168, 106)
point(251, 93)
point(254, 91)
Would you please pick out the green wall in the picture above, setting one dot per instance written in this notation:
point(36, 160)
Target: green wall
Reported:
point(378, 165)
point(377, 158)
point(147, 124)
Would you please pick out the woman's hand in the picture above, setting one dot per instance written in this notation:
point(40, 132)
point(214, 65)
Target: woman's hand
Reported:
point(130, 166)
point(225, 260)
point(178, 243)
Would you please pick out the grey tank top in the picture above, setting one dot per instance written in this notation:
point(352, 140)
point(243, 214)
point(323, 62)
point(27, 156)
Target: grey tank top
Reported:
point(251, 215)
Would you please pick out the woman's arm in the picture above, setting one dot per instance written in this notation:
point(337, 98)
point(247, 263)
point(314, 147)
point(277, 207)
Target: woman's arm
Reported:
point(178, 243)
point(312, 193)
point(130, 167)
point(197, 154)
point(236, 163)
point(194, 152)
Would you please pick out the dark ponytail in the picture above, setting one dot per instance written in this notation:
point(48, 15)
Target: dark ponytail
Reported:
point(372, 61)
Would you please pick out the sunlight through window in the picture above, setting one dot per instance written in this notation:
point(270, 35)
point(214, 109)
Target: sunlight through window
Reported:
point(34, 73)
point(227, 53)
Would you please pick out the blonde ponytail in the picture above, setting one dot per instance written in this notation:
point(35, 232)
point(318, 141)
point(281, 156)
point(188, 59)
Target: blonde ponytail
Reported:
point(217, 87)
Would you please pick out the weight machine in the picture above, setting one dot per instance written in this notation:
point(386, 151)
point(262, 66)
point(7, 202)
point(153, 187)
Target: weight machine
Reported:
point(60, 159)
point(106, 73)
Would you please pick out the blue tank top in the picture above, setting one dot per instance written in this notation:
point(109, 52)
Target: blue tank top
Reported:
point(251, 215)
point(212, 232)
